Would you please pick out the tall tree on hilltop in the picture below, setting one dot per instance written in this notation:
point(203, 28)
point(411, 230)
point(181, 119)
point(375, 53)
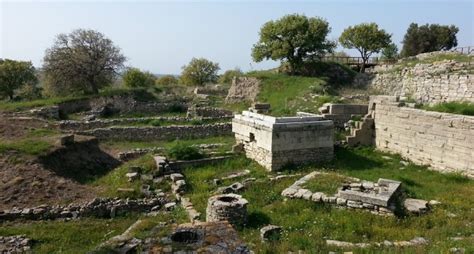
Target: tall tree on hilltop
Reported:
point(199, 72)
point(367, 38)
point(428, 38)
point(295, 39)
point(82, 61)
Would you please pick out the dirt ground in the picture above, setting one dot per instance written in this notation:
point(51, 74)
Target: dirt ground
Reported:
point(25, 182)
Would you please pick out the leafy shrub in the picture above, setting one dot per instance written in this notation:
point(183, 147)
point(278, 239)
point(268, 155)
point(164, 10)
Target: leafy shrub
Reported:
point(227, 77)
point(182, 151)
point(156, 122)
point(167, 80)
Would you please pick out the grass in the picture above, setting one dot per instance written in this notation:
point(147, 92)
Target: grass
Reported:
point(411, 62)
point(326, 183)
point(124, 145)
point(109, 184)
point(84, 235)
point(78, 236)
point(289, 94)
point(306, 225)
point(461, 108)
point(25, 146)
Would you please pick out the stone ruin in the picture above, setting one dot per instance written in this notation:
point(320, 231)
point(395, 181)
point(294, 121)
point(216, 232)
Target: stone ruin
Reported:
point(275, 142)
point(227, 207)
point(381, 198)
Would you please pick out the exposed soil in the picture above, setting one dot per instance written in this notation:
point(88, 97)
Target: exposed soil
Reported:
point(55, 178)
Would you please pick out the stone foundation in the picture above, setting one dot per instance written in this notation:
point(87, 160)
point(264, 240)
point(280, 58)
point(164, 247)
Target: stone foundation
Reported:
point(275, 142)
point(160, 133)
point(380, 198)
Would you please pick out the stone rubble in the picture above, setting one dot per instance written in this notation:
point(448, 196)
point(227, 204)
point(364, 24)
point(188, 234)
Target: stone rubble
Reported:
point(270, 233)
point(15, 244)
point(417, 241)
point(98, 207)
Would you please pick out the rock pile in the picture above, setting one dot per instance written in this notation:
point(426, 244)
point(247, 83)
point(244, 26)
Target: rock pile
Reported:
point(15, 244)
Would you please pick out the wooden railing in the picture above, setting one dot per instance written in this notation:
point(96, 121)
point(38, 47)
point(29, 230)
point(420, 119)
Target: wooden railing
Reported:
point(352, 60)
point(469, 50)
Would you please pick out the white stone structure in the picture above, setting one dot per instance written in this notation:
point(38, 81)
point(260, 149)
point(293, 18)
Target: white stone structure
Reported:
point(277, 141)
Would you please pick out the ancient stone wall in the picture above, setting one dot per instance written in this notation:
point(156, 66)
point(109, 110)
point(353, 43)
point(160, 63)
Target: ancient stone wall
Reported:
point(443, 141)
point(243, 89)
point(208, 112)
point(429, 83)
point(340, 114)
point(101, 123)
point(123, 104)
point(160, 133)
point(98, 207)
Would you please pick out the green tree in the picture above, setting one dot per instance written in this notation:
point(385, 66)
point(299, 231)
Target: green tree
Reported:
point(82, 61)
point(293, 38)
point(167, 80)
point(14, 75)
point(228, 75)
point(367, 38)
point(390, 52)
point(133, 77)
point(428, 38)
point(199, 72)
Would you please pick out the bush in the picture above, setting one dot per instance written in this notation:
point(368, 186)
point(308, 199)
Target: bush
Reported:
point(133, 77)
point(182, 151)
point(227, 77)
point(167, 80)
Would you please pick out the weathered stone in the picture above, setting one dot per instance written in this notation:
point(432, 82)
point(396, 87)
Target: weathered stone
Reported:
point(230, 207)
point(341, 201)
point(277, 141)
point(176, 176)
point(416, 206)
point(170, 206)
point(132, 176)
point(270, 233)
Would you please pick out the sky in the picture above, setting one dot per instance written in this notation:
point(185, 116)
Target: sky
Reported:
point(162, 36)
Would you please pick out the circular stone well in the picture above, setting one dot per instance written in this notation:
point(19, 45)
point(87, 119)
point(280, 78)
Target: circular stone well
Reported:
point(227, 207)
point(186, 236)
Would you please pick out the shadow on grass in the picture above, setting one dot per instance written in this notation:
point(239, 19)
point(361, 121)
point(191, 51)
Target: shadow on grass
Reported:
point(348, 159)
point(257, 219)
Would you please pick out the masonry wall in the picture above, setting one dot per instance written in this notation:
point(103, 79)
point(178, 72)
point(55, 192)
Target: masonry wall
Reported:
point(123, 104)
point(432, 83)
point(443, 141)
point(276, 144)
point(160, 133)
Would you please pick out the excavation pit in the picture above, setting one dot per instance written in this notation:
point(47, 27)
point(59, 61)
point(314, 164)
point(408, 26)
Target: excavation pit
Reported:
point(186, 236)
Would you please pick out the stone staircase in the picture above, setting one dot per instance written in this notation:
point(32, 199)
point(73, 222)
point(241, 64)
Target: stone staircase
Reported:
point(363, 132)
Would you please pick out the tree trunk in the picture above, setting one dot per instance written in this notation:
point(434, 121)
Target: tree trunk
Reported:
point(362, 67)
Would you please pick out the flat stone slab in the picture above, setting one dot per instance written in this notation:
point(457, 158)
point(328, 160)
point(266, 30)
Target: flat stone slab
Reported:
point(417, 206)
